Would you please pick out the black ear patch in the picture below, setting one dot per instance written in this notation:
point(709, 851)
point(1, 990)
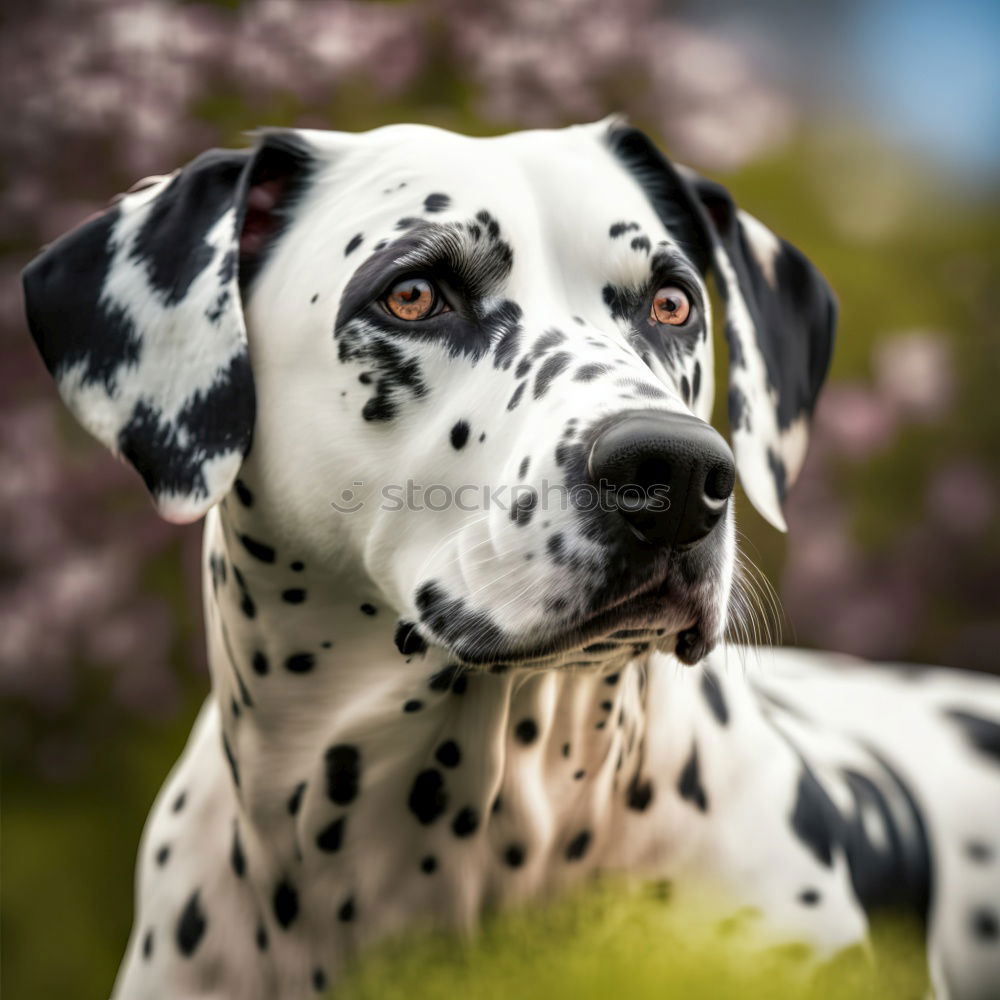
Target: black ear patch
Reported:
point(137, 314)
point(780, 316)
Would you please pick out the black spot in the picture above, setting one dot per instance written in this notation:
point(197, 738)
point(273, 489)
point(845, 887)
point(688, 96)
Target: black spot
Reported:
point(163, 855)
point(689, 784)
point(346, 912)
point(778, 472)
point(428, 798)
point(466, 822)
point(231, 758)
point(261, 938)
point(326, 644)
point(711, 689)
point(523, 506)
point(815, 818)
point(428, 865)
point(526, 731)
point(331, 836)
point(516, 397)
point(554, 545)
point(408, 640)
point(295, 800)
point(522, 469)
point(436, 202)
point(444, 679)
point(565, 749)
point(147, 945)
point(685, 389)
point(448, 754)
point(577, 847)
point(369, 609)
point(354, 243)
point(895, 874)
point(587, 373)
point(459, 435)
point(257, 549)
point(191, 926)
point(319, 980)
point(285, 903)
point(611, 680)
point(606, 706)
point(985, 926)
point(620, 228)
point(460, 683)
point(247, 605)
point(217, 567)
point(579, 775)
point(809, 897)
point(243, 493)
point(514, 856)
point(298, 566)
point(314, 298)
point(343, 773)
point(236, 856)
point(413, 705)
point(618, 300)
point(179, 802)
point(259, 663)
point(640, 794)
point(982, 733)
point(979, 852)
point(549, 372)
point(641, 243)
point(300, 663)
point(293, 595)
point(696, 383)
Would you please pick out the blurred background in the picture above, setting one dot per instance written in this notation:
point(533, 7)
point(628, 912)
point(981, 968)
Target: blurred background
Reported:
point(868, 133)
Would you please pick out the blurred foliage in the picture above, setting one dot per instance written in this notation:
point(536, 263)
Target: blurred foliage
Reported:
point(608, 943)
point(895, 549)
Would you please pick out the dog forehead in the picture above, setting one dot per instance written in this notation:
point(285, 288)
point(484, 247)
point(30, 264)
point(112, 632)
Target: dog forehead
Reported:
point(564, 181)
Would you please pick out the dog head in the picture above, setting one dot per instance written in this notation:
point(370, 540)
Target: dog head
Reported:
point(477, 373)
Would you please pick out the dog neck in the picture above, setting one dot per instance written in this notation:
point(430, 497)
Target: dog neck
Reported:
point(379, 775)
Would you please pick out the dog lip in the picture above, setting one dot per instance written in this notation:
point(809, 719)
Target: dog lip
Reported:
point(628, 612)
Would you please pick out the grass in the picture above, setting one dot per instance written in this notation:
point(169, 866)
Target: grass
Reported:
point(607, 943)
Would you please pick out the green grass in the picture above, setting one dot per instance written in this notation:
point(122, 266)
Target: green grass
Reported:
point(609, 943)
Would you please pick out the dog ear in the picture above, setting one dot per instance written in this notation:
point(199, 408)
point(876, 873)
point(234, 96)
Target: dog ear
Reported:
point(137, 314)
point(780, 321)
point(780, 318)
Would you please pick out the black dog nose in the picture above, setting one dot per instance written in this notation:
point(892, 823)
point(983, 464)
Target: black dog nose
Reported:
point(668, 474)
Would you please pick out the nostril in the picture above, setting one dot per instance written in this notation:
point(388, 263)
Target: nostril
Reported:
point(720, 481)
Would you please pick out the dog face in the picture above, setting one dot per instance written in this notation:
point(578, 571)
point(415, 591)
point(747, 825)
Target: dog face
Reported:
point(478, 372)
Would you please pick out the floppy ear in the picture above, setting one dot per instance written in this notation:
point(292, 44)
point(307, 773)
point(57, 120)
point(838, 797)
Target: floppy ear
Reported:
point(780, 318)
point(137, 314)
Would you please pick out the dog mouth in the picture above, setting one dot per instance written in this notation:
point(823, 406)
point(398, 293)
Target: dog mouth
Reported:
point(647, 617)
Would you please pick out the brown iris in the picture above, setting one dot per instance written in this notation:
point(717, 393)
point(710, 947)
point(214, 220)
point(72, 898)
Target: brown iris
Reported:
point(412, 299)
point(671, 306)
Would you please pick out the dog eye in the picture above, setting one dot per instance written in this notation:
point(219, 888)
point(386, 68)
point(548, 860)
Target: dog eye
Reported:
point(414, 299)
point(671, 306)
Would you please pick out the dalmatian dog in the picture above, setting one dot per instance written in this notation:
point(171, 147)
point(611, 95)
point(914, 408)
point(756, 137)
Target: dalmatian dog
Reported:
point(470, 556)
